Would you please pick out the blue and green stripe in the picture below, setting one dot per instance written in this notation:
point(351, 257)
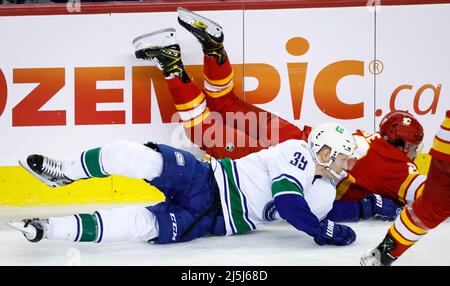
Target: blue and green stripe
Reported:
point(239, 210)
point(286, 184)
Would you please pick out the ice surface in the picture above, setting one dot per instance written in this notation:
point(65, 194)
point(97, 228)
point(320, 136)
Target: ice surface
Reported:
point(278, 244)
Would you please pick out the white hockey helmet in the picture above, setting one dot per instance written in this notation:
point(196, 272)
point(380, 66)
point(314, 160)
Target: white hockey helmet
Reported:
point(333, 135)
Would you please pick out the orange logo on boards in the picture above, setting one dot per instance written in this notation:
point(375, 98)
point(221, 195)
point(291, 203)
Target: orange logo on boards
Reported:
point(435, 90)
point(325, 83)
point(144, 79)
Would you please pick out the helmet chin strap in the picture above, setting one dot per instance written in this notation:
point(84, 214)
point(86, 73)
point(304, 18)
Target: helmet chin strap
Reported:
point(327, 166)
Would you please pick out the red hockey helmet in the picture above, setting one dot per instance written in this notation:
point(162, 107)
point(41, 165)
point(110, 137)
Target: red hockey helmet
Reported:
point(399, 125)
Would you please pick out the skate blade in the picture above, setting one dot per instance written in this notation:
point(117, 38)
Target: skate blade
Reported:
point(17, 225)
point(160, 38)
point(37, 176)
point(27, 232)
point(190, 18)
point(369, 260)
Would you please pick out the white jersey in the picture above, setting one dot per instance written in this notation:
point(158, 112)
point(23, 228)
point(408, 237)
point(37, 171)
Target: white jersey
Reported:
point(249, 185)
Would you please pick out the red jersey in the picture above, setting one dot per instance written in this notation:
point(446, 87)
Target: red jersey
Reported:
point(382, 169)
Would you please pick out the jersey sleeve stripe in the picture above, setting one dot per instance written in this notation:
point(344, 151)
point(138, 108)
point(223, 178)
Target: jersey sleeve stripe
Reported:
point(285, 186)
point(416, 183)
point(290, 178)
point(419, 191)
point(405, 185)
point(287, 193)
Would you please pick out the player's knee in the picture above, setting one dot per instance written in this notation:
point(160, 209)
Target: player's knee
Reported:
point(117, 155)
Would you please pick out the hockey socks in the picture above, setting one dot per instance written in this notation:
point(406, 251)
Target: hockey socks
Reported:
point(123, 158)
point(403, 233)
point(110, 225)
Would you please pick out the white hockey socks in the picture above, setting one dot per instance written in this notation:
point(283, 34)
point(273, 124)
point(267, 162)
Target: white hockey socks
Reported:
point(110, 225)
point(123, 158)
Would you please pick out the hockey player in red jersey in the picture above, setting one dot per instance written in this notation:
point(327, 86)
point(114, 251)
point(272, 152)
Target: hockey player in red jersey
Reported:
point(385, 162)
point(204, 113)
point(425, 213)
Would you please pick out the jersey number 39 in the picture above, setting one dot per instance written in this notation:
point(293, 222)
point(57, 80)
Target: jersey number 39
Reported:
point(299, 161)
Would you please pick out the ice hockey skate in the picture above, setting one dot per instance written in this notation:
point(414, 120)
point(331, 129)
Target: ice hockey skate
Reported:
point(162, 48)
point(33, 229)
point(209, 33)
point(375, 257)
point(47, 170)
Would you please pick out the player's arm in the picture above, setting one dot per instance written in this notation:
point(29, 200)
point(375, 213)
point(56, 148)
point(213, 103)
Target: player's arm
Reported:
point(292, 206)
point(373, 205)
point(290, 167)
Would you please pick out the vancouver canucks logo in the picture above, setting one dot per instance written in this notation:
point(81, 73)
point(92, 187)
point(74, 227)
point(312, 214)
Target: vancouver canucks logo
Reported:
point(230, 147)
point(270, 211)
point(180, 159)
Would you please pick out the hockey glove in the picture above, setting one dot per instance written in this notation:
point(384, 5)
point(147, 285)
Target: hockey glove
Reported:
point(335, 234)
point(379, 208)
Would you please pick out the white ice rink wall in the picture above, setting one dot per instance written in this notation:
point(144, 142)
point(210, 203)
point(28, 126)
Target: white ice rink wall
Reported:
point(70, 81)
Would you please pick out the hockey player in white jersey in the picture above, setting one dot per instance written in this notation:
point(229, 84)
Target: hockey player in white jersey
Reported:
point(217, 197)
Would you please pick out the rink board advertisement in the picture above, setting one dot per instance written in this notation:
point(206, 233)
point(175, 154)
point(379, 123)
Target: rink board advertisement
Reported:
point(71, 82)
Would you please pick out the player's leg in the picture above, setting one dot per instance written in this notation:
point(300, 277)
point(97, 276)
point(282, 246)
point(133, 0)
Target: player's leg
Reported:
point(433, 207)
point(192, 201)
point(132, 223)
point(426, 212)
point(218, 73)
point(203, 127)
point(179, 224)
point(266, 128)
point(192, 204)
point(162, 48)
point(124, 158)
